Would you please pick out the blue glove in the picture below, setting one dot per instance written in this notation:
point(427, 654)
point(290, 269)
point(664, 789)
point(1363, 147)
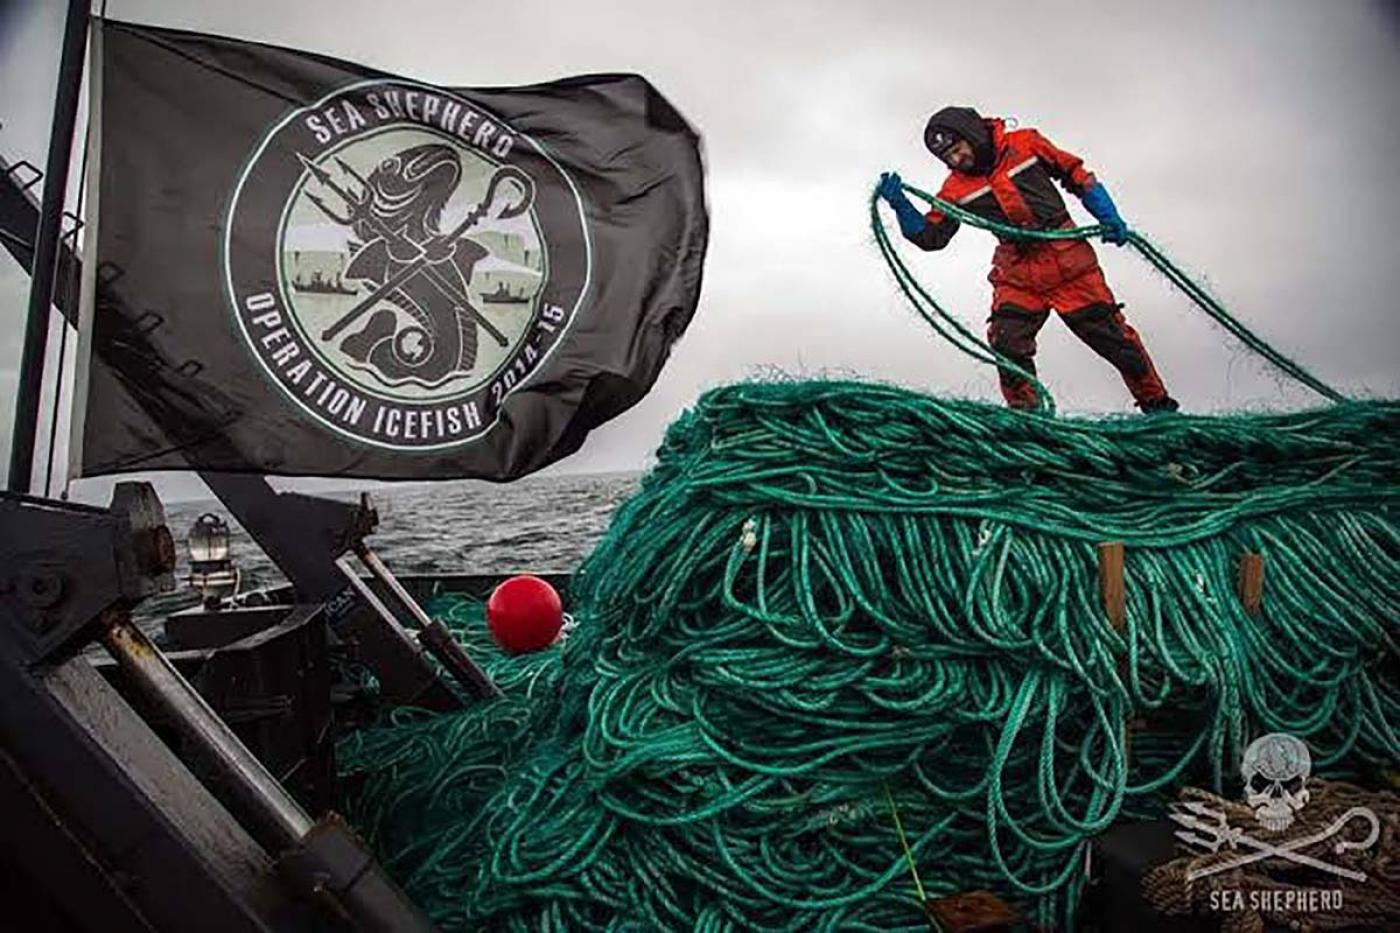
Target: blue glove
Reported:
point(911, 222)
point(1098, 203)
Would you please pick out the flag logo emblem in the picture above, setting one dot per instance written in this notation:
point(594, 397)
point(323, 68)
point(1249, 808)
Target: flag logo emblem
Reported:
point(400, 260)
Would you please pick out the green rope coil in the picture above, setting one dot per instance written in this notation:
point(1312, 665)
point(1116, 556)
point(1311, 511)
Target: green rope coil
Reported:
point(832, 601)
point(952, 330)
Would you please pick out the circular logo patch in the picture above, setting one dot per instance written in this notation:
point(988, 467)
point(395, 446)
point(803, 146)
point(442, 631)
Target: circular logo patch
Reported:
point(400, 260)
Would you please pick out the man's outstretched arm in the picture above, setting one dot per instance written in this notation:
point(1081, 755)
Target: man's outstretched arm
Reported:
point(1068, 169)
point(929, 231)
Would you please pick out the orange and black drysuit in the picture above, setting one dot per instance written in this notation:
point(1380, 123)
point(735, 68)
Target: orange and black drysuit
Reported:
point(1010, 182)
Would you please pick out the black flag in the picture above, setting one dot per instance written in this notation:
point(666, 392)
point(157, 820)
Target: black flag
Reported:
point(307, 267)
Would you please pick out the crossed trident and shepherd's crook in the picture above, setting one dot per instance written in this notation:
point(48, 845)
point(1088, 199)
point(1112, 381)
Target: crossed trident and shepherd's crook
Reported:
point(427, 255)
point(1222, 833)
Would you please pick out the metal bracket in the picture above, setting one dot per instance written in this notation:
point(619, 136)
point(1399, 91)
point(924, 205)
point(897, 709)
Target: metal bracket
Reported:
point(12, 173)
point(65, 563)
point(333, 866)
point(432, 635)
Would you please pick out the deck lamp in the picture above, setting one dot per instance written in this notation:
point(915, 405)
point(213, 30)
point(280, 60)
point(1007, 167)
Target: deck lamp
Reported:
point(211, 568)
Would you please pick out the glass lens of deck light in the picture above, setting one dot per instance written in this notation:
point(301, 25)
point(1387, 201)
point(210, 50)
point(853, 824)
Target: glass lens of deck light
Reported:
point(208, 540)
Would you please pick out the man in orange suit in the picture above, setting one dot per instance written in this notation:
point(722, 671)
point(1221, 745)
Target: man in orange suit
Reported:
point(1006, 176)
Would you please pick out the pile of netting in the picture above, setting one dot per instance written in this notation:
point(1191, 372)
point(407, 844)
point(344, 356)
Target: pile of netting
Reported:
point(845, 649)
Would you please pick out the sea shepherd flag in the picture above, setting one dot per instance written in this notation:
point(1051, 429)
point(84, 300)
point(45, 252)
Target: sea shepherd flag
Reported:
point(309, 267)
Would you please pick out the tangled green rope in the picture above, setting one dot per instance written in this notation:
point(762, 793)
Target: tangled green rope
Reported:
point(830, 601)
point(956, 333)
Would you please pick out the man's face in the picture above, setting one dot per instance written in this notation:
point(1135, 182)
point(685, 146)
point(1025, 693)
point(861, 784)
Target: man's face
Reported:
point(959, 156)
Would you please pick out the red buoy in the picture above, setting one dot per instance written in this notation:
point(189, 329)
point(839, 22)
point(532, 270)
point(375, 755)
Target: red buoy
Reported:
point(524, 614)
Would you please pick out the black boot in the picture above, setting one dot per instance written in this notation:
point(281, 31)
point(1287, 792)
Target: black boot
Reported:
point(1158, 405)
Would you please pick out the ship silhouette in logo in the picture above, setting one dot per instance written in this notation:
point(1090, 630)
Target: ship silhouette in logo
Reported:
point(503, 296)
point(319, 284)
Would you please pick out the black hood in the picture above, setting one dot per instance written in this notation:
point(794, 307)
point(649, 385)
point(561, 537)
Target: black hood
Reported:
point(964, 123)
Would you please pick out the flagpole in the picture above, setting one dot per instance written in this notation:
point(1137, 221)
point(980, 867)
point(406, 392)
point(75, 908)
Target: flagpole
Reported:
point(36, 330)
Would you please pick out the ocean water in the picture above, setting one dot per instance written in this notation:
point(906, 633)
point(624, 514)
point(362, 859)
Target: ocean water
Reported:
point(536, 524)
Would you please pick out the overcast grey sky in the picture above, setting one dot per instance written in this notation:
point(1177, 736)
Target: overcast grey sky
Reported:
point(1254, 141)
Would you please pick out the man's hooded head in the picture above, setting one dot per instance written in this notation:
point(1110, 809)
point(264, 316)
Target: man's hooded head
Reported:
point(951, 124)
